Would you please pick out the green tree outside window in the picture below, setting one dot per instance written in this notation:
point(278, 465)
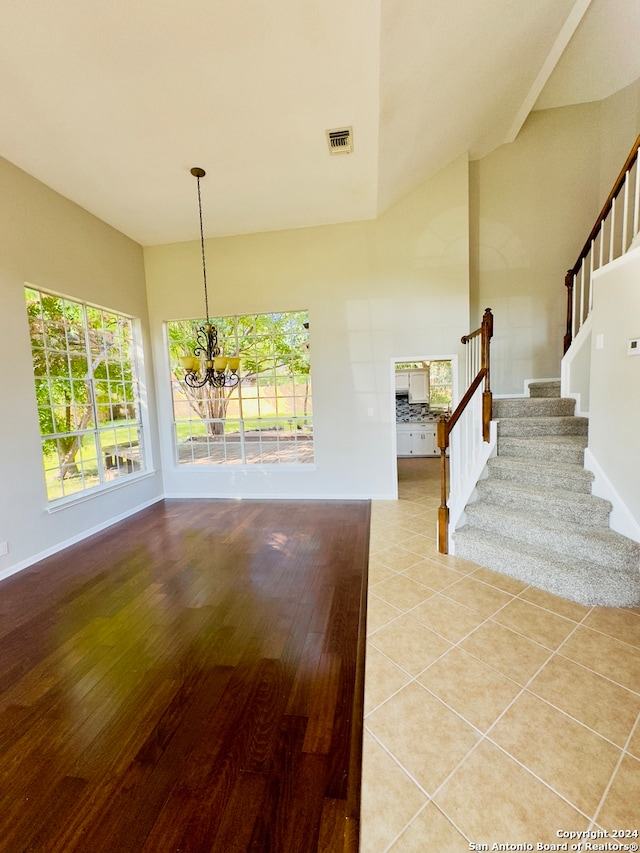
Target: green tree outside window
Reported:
point(267, 418)
point(86, 391)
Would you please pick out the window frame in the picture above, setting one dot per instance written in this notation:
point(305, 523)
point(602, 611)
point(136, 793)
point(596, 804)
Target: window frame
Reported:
point(290, 442)
point(122, 372)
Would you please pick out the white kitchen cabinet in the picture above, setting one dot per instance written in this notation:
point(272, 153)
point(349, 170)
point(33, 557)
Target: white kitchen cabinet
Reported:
point(415, 383)
point(418, 386)
point(416, 440)
point(431, 447)
point(404, 442)
point(402, 381)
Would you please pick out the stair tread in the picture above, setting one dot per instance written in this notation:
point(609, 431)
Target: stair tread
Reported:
point(552, 385)
point(535, 518)
point(526, 407)
point(541, 491)
point(541, 425)
point(560, 440)
point(539, 551)
point(569, 448)
point(576, 579)
point(541, 464)
point(603, 535)
point(543, 417)
point(540, 473)
point(545, 420)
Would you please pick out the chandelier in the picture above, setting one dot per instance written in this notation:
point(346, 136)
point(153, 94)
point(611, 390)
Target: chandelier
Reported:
point(208, 365)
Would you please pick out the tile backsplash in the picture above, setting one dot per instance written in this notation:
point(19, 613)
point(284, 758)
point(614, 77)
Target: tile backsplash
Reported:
point(407, 412)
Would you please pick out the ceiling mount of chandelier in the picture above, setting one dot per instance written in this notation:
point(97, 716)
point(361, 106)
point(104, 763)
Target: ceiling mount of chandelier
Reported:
point(208, 365)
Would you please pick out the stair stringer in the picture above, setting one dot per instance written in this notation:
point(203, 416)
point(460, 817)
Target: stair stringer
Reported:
point(621, 519)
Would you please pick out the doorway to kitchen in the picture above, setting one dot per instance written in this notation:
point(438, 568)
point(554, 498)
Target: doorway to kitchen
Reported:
point(424, 388)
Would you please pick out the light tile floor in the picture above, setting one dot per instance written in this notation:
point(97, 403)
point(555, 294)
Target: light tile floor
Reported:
point(495, 713)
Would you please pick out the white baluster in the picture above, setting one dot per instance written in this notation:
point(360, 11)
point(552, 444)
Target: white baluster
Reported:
point(636, 199)
point(625, 214)
point(612, 228)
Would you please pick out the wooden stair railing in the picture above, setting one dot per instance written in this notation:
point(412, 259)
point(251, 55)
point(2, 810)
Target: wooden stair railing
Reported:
point(481, 339)
point(610, 238)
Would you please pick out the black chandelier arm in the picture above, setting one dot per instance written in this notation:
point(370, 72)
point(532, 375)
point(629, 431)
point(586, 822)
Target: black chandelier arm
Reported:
point(216, 378)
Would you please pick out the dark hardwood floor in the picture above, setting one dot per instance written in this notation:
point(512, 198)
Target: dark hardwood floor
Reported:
point(188, 680)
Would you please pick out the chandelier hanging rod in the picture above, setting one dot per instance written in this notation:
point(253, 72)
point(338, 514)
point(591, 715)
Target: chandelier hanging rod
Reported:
point(207, 366)
point(198, 173)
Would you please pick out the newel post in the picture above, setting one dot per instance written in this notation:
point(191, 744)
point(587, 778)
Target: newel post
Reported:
point(487, 397)
point(443, 509)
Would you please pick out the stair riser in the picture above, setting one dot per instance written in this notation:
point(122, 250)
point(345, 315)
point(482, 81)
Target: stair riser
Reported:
point(524, 427)
point(578, 481)
point(619, 556)
point(598, 587)
point(517, 448)
point(544, 505)
point(544, 389)
point(532, 407)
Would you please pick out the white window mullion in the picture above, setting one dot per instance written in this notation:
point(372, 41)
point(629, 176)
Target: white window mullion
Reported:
point(92, 395)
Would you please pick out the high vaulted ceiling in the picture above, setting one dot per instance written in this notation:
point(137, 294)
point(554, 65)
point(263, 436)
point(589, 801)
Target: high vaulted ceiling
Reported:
point(111, 103)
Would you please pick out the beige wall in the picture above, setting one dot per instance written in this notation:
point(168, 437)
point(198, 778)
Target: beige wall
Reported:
point(497, 233)
point(376, 291)
point(48, 242)
point(533, 204)
point(614, 437)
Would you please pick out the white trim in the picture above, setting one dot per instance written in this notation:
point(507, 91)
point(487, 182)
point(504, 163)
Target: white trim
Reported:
point(60, 546)
point(620, 261)
point(270, 496)
point(193, 468)
point(580, 340)
point(100, 489)
point(621, 519)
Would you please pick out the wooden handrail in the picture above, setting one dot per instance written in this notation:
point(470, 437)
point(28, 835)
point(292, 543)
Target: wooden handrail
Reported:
point(466, 338)
point(573, 271)
point(631, 159)
point(452, 419)
point(447, 423)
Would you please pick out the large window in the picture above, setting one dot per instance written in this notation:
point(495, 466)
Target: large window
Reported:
point(87, 393)
point(267, 418)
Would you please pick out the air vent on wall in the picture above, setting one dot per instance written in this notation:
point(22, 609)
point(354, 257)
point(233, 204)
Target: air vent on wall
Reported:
point(340, 140)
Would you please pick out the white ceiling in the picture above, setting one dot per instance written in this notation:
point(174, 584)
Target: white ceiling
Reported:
point(111, 103)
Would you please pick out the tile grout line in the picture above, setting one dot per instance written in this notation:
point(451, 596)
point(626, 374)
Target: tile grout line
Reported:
point(486, 736)
point(623, 752)
point(414, 679)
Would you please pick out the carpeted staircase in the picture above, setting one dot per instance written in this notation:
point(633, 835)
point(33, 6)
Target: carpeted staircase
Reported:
point(535, 518)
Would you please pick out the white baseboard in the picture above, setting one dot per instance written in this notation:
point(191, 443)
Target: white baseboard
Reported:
point(621, 519)
point(269, 496)
point(66, 543)
point(60, 546)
